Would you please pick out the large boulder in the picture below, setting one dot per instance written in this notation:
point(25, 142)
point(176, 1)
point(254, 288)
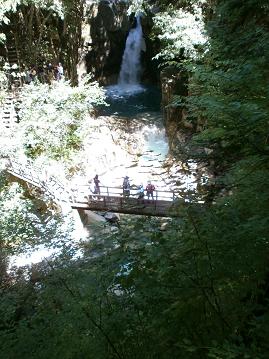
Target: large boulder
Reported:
point(112, 217)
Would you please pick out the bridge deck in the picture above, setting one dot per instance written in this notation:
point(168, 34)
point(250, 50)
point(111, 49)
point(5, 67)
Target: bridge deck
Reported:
point(125, 205)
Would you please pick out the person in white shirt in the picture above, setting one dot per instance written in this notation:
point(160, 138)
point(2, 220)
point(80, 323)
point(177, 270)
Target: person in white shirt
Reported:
point(60, 71)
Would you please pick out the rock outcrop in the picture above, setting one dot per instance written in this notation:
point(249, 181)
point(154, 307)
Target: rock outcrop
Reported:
point(173, 86)
point(104, 35)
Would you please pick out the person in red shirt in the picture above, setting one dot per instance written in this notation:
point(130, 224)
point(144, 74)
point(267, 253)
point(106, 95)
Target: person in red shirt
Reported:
point(150, 188)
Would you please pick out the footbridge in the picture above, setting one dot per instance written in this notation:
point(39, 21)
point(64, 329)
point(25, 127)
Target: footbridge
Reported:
point(111, 199)
point(80, 197)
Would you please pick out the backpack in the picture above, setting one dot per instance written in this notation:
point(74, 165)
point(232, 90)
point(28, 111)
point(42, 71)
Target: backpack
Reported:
point(150, 188)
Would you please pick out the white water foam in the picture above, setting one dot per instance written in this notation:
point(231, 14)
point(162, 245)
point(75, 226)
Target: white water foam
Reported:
point(120, 91)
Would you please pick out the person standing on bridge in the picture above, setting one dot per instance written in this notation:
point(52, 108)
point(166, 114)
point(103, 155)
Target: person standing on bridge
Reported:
point(126, 187)
point(96, 185)
point(150, 188)
point(140, 192)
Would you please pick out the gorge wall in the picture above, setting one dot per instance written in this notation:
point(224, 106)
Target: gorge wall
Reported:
point(173, 86)
point(104, 34)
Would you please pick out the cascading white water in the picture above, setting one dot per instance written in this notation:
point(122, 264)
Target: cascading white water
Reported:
point(131, 67)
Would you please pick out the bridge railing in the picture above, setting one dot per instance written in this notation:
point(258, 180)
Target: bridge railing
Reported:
point(82, 192)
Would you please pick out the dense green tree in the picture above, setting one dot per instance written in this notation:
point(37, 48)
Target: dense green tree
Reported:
point(229, 88)
point(74, 12)
point(44, 31)
point(61, 112)
point(32, 28)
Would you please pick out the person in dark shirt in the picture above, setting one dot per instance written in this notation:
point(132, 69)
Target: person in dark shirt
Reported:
point(96, 185)
point(126, 187)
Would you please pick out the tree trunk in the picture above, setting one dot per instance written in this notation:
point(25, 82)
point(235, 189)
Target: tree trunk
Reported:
point(72, 25)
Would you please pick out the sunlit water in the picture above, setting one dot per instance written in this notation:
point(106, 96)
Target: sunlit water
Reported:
point(136, 109)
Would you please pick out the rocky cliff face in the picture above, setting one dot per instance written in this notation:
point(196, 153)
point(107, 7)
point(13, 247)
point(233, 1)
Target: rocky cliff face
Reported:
point(174, 83)
point(104, 33)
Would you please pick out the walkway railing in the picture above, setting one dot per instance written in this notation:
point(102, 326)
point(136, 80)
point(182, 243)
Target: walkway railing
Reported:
point(50, 185)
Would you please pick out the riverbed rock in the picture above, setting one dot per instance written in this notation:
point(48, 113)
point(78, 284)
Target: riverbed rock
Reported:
point(89, 217)
point(112, 217)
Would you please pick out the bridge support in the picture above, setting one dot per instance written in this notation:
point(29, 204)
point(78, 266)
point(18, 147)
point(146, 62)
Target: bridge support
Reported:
point(88, 218)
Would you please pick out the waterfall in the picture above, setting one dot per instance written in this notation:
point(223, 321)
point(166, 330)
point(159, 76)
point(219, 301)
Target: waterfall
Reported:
point(131, 66)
